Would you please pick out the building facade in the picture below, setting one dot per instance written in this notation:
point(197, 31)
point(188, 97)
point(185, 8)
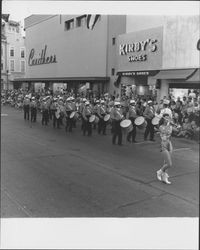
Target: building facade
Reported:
point(161, 58)
point(13, 53)
point(72, 51)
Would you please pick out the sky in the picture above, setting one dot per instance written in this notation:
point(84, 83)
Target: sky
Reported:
point(19, 10)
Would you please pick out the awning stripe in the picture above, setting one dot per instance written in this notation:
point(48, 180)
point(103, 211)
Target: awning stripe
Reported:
point(195, 77)
point(174, 74)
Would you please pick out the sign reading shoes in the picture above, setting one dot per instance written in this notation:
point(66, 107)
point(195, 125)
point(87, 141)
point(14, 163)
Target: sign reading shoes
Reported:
point(41, 58)
point(140, 50)
point(141, 46)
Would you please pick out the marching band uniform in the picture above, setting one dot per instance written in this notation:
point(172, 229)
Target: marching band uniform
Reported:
point(81, 108)
point(116, 116)
point(69, 110)
point(95, 110)
point(149, 114)
point(74, 107)
point(26, 106)
point(53, 108)
point(101, 113)
point(45, 112)
point(33, 106)
point(87, 112)
point(132, 115)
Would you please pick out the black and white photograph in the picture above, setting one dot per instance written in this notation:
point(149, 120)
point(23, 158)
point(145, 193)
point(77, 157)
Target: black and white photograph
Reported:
point(100, 105)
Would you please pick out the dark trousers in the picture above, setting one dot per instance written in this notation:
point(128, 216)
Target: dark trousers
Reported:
point(56, 122)
point(132, 134)
point(149, 130)
point(117, 132)
point(45, 117)
point(33, 114)
point(101, 126)
point(26, 112)
point(87, 127)
point(69, 122)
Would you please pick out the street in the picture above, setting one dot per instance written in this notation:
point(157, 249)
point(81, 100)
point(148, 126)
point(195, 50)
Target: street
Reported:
point(46, 172)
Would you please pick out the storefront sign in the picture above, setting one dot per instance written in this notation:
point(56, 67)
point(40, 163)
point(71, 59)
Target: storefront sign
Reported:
point(139, 73)
point(141, 46)
point(42, 59)
point(198, 44)
point(140, 50)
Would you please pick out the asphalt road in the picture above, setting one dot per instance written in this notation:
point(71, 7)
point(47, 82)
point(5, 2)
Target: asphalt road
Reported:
point(46, 172)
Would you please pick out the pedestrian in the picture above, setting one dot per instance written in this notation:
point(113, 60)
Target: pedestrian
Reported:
point(165, 129)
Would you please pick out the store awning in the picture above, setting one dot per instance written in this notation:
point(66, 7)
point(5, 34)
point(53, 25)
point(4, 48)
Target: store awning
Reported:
point(174, 74)
point(195, 77)
point(63, 79)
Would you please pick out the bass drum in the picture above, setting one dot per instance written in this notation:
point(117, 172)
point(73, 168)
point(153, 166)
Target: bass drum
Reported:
point(106, 117)
point(155, 121)
point(126, 125)
point(140, 122)
point(92, 118)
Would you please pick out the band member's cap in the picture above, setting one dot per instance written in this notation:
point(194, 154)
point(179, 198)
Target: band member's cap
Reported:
point(102, 101)
point(84, 99)
point(87, 103)
point(132, 101)
point(116, 103)
point(68, 99)
point(33, 98)
point(166, 102)
point(149, 102)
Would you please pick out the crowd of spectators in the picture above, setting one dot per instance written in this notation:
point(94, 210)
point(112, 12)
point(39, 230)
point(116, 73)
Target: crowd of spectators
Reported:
point(185, 110)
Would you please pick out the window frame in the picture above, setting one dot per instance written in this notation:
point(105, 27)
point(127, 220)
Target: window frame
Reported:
point(69, 22)
point(113, 40)
point(113, 71)
point(21, 66)
point(10, 69)
point(22, 49)
point(12, 48)
point(79, 19)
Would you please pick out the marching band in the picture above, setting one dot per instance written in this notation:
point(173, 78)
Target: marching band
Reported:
point(98, 114)
point(124, 120)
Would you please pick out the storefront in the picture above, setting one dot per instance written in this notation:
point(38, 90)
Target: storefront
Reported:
point(139, 59)
point(161, 60)
point(69, 52)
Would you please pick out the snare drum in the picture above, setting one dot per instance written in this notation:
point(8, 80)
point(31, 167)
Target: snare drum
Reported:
point(106, 117)
point(140, 122)
point(126, 125)
point(92, 118)
point(155, 121)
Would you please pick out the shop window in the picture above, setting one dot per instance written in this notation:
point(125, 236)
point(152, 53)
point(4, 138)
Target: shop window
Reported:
point(81, 21)
point(22, 66)
point(22, 53)
point(69, 24)
point(113, 41)
point(12, 53)
point(113, 72)
point(12, 65)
